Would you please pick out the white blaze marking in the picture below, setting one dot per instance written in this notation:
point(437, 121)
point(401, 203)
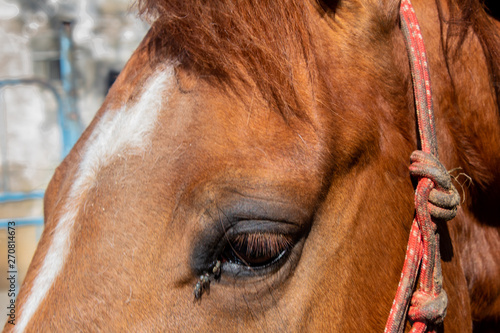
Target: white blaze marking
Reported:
point(118, 131)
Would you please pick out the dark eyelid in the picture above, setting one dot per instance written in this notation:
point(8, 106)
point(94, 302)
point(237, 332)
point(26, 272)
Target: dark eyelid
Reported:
point(262, 226)
point(254, 208)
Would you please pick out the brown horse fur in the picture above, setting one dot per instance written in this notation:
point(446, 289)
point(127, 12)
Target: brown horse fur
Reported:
point(306, 107)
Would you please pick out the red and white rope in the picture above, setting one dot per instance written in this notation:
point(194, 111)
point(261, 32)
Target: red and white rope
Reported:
point(435, 197)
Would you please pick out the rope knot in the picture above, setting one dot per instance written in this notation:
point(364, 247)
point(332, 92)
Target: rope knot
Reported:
point(443, 198)
point(428, 308)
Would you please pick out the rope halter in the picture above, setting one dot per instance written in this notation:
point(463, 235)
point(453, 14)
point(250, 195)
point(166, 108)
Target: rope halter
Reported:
point(436, 200)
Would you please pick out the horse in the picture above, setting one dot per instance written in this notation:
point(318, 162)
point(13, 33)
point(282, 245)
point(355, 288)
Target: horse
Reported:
point(248, 171)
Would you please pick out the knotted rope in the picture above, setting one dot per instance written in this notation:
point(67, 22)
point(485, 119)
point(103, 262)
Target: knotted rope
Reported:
point(436, 199)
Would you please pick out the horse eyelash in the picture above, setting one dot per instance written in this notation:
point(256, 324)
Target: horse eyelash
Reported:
point(262, 244)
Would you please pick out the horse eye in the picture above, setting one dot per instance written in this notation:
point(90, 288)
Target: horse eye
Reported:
point(257, 250)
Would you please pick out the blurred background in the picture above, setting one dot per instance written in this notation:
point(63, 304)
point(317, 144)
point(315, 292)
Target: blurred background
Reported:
point(58, 59)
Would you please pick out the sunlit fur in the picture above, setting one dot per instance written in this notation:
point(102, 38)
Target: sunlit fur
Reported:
point(302, 110)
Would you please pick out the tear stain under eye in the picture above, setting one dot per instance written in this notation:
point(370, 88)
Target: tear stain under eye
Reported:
point(203, 284)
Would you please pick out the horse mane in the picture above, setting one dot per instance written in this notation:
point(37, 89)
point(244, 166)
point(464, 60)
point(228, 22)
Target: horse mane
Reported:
point(222, 40)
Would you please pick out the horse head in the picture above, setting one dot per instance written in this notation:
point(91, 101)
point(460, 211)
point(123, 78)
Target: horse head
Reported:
point(249, 171)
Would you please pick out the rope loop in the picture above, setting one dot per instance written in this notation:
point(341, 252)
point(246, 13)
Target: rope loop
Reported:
point(443, 198)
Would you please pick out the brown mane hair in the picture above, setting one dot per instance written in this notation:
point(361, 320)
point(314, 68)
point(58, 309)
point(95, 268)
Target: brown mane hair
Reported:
point(224, 39)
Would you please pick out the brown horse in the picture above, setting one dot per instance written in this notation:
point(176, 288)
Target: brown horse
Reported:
point(249, 171)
